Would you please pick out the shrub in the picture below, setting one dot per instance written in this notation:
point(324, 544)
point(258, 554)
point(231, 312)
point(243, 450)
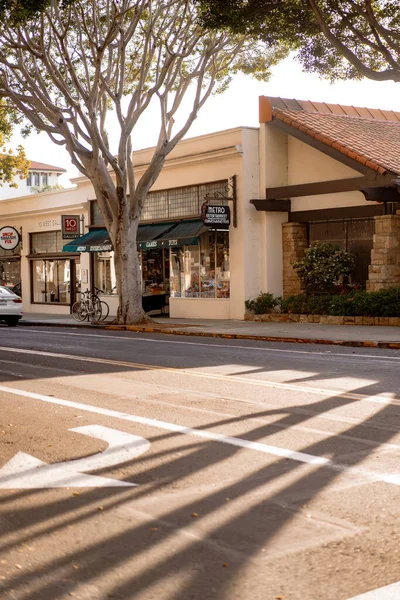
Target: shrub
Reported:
point(384, 303)
point(263, 304)
point(323, 266)
point(303, 304)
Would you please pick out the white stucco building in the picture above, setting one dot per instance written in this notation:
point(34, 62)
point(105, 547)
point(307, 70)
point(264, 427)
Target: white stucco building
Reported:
point(40, 174)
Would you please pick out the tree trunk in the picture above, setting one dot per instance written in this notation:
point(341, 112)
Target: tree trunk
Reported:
point(128, 275)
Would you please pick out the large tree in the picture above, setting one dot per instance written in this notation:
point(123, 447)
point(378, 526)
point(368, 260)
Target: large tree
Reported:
point(336, 38)
point(66, 64)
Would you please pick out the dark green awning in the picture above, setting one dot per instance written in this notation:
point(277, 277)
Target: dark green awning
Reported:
point(147, 234)
point(158, 235)
point(185, 233)
point(97, 240)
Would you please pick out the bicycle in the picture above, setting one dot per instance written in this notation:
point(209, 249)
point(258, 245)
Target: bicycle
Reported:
point(90, 307)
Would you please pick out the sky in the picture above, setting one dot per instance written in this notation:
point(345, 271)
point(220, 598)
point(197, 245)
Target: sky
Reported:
point(237, 107)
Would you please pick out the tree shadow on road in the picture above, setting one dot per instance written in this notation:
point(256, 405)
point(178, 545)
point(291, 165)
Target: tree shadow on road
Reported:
point(210, 520)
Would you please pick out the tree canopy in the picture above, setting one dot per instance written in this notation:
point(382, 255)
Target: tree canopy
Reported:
point(66, 64)
point(335, 38)
point(12, 163)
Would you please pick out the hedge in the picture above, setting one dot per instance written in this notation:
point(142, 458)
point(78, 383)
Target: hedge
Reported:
point(384, 303)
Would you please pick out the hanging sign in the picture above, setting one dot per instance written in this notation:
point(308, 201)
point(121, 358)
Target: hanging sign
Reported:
point(216, 216)
point(70, 225)
point(9, 238)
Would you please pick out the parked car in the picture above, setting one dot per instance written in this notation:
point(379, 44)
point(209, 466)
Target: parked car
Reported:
point(11, 309)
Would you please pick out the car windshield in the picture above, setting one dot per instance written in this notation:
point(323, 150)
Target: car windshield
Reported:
point(5, 291)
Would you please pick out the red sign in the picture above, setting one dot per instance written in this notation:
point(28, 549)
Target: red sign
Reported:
point(70, 226)
point(9, 238)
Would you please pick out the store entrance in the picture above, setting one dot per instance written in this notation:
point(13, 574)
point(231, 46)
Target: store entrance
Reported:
point(155, 279)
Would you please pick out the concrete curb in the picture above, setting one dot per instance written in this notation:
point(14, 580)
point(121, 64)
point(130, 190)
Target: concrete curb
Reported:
point(228, 336)
point(55, 324)
point(261, 338)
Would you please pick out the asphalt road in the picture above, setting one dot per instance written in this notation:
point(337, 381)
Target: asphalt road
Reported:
point(150, 467)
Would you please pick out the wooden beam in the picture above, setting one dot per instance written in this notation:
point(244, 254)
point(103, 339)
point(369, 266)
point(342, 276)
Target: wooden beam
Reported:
point(331, 214)
point(381, 194)
point(326, 187)
point(272, 205)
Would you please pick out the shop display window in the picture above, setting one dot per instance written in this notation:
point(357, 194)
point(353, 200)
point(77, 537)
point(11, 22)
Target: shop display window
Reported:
point(104, 272)
point(201, 271)
point(10, 273)
point(155, 271)
point(10, 268)
point(51, 281)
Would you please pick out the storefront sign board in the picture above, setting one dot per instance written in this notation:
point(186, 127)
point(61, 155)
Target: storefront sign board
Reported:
point(9, 238)
point(70, 225)
point(216, 216)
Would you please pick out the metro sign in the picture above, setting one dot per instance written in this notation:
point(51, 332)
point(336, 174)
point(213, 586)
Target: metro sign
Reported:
point(70, 226)
point(9, 238)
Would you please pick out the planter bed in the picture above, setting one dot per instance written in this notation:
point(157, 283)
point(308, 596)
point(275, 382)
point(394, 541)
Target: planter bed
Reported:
point(322, 319)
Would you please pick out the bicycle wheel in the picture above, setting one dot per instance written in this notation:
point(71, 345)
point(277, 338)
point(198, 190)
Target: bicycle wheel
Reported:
point(105, 309)
point(79, 311)
point(95, 313)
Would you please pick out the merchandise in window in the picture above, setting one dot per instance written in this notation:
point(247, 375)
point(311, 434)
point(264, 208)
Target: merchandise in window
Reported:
point(155, 271)
point(207, 268)
point(222, 272)
point(201, 271)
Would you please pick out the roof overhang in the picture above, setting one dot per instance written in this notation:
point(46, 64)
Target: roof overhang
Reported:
point(325, 148)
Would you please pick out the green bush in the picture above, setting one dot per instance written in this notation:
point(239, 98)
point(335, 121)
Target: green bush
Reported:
point(385, 303)
point(323, 266)
point(263, 304)
point(303, 304)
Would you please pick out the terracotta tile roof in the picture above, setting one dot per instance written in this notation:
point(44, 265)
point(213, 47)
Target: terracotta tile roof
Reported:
point(369, 136)
point(39, 166)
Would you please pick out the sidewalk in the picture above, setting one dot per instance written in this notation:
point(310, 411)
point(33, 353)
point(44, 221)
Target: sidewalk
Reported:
point(311, 333)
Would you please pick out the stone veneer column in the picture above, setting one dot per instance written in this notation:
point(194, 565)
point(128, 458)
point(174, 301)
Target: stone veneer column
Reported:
point(294, 237)
point(384, 270)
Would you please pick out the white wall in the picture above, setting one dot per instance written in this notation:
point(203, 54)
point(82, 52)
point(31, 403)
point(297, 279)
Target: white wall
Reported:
point(308, 165)
point(273, 172)
point(7, 192)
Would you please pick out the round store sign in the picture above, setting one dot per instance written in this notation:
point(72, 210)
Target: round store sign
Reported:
point(9, 238)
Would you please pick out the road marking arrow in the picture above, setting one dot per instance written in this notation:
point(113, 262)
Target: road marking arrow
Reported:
point(24, 471)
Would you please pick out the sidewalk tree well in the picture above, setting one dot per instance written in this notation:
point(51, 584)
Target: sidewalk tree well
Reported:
point(336, 38)
point(71, 63)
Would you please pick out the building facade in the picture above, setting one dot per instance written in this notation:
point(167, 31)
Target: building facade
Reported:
point(331, 172)
point(189, 269)
point(310, 172)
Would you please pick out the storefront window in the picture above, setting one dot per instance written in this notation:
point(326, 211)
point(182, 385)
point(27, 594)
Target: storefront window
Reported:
point(10, 268)
point(104, 272)
point(10, 273)
point(207, 267)
point(222, 272)
point(51, 281)
point(202, 271)
point(46, 242)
